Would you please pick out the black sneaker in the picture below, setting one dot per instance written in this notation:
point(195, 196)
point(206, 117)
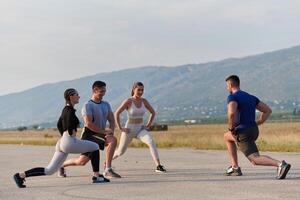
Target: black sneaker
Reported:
point(100, 179)
point(231, 171)
point(19, 181)
point(160, 169)
point(282, 170)
point(62, 172)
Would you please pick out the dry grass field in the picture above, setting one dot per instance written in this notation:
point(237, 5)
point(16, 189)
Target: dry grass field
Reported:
point(273, 137)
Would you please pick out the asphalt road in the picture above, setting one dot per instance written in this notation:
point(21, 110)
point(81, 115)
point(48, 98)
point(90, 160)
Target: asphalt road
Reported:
point(192, 174)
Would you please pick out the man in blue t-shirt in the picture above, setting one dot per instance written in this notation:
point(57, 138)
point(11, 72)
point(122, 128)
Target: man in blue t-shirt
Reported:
point(243, 129)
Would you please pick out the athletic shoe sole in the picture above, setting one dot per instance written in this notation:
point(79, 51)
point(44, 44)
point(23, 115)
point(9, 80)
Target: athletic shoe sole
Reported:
point(112, 177)
point(233, 174)
point(100, 181)
point(158, 171)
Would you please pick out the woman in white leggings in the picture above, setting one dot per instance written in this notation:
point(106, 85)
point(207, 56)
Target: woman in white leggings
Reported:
point(68, 143)
point(136, 107)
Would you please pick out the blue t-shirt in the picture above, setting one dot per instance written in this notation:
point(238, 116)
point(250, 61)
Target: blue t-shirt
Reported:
point(246, 109)
point(98, 111)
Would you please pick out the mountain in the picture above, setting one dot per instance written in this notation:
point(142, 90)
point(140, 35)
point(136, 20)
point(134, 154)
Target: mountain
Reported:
point(177, 93)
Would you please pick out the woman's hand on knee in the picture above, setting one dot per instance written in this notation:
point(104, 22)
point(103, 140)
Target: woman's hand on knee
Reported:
point(110, 139)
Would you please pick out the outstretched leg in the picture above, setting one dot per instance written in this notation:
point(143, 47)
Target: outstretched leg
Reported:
point(257, 159)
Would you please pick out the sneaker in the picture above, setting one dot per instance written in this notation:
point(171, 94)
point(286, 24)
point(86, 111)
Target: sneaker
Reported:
point(160, 169)
point(111, 174)
point(19, 181)
point(282, 170)
point(62, 172)
point(100, 179)
point(231, 171)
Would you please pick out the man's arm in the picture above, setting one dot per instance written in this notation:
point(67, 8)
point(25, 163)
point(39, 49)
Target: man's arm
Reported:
point(231, 112)
point(265, 112)
point(88, 122)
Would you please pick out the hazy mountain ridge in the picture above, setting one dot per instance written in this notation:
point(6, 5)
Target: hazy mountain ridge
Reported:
point(187, 91)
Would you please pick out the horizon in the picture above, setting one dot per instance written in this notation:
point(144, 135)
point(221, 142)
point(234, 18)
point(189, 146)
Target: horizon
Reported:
point(137, 67)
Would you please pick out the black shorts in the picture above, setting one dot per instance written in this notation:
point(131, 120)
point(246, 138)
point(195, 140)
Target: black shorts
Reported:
point(246, 140)
point(88, 134)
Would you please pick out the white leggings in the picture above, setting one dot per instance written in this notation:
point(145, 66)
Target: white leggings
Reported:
point(136, 131)
point(65, 145)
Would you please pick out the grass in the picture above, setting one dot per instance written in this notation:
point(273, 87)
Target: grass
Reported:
point(273, 137)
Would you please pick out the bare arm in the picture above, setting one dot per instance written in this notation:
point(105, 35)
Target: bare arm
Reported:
point(119, 110)
point(231, 112)
point(265, 112)
point(152, 113)
point(88, 122)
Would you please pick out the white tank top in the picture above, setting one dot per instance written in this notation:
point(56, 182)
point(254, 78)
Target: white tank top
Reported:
point(134, 112)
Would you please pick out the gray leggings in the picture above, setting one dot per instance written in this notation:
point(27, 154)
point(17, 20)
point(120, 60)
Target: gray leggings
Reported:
point(65, 145)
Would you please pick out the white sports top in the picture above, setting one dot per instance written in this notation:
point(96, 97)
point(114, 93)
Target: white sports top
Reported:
point(134, 112)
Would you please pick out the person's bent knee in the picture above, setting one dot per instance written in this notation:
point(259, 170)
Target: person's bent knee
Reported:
point(111, 140)
point(226, 136)
point(253, 158)
point(50, 171)
point(229, 137)
point(253, 162)
point(95, 147)
point(150, 142)
point(114, 140)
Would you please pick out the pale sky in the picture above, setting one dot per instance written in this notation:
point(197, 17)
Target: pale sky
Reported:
point(44, 41)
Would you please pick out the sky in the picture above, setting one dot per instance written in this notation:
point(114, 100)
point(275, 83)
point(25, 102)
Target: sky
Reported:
point(46, 41)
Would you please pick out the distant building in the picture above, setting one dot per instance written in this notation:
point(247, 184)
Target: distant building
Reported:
point(190, 121)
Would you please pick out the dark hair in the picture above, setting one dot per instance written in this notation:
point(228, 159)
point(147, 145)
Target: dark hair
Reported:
point(234, 79)
point(98, 84)
point(69, 92)
point(135, 85)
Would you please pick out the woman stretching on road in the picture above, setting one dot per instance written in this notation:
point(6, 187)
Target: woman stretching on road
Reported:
point(136, 107)
point(68, 143)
